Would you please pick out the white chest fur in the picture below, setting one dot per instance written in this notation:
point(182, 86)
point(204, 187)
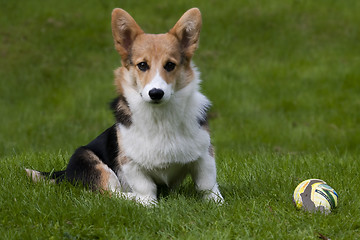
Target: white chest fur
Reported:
point(161, 147)
point(164, 134)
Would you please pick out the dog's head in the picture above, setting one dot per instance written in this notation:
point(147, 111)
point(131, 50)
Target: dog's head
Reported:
point(155, 65)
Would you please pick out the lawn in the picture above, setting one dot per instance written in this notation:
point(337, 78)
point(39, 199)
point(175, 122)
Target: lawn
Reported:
point(284, 80)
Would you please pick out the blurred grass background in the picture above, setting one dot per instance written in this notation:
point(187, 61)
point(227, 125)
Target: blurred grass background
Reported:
point(283, 77)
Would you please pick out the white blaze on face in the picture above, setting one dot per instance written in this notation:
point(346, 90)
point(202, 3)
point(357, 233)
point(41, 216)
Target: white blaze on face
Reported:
point(159, 84)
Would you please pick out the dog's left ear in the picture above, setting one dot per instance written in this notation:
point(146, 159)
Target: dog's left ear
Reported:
point(187, 31)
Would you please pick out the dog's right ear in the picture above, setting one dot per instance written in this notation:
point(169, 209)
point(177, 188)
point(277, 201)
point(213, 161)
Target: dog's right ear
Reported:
point(124, 30)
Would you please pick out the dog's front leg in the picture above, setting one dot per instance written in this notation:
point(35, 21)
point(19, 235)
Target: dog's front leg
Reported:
point(203, 173)
point(142, 186)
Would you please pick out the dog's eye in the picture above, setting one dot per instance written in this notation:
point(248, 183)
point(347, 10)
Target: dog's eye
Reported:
point(143, 66)
point(169, 66)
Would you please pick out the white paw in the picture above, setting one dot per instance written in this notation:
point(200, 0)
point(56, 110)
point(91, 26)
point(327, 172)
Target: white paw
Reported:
point(146, 201)
point(214, 196)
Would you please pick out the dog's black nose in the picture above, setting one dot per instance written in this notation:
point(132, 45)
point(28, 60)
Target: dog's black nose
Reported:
point(156, 94)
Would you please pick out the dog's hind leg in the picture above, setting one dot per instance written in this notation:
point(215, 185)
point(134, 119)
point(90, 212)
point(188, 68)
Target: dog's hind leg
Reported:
point(107, 179)
point(87, 168)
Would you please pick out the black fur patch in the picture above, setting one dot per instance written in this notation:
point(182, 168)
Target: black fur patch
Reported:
point(82, 164)
point(81, 167)
point(203, 119)
point(121, 111)
point(106, 147)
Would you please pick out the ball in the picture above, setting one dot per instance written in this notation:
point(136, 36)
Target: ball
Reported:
point(315, 195)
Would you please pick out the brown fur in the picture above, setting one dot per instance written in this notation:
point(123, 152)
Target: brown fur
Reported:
point(103, 177)
point(135, 46)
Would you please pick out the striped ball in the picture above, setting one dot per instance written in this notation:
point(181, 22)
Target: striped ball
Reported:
point(315, 195)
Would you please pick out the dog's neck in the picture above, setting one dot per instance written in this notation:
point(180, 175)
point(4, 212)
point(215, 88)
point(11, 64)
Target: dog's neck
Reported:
point(185, 106)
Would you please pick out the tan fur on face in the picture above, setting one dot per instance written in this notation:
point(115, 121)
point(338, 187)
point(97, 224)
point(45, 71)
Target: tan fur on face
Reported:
point(156, 51)
point(134, 46)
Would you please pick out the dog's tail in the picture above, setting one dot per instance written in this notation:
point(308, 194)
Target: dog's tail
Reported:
point(37, 176)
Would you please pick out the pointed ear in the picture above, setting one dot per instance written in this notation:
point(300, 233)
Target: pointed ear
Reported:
point(187, 31)
point(125, 30)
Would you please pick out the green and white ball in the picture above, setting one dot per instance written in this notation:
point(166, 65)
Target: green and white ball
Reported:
point(315, 195)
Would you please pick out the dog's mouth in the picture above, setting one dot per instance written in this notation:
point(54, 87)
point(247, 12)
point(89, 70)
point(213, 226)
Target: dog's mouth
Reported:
point(156, 102)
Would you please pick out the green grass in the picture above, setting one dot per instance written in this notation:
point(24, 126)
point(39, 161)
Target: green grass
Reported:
point(284, 79)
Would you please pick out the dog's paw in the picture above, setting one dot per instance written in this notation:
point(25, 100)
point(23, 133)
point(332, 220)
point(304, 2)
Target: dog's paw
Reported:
point(214, 196)
point(147, 201)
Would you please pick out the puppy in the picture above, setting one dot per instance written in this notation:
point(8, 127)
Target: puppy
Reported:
point(161, 132)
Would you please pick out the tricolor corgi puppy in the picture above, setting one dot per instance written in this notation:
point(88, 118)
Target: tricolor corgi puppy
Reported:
point(161, 132)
